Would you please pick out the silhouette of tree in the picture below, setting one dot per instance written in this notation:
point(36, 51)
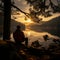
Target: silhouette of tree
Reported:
point(54, 7)
point(13, 6)
point(40, 7)
point(7, 19)
point(32, 15)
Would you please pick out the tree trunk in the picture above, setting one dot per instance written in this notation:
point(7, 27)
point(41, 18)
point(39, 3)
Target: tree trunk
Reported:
point(7, 19)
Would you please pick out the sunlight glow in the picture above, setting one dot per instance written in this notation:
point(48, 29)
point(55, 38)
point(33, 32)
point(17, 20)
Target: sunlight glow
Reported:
point(50, 18)
point(29, 33)
point(28, 20)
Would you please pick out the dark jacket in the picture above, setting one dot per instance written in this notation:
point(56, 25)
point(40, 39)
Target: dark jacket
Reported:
point(18, 36)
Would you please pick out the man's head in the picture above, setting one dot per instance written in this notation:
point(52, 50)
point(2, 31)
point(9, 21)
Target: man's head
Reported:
point(18, 26)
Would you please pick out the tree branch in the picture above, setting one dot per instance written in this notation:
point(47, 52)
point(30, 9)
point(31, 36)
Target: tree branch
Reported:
point(27, 14)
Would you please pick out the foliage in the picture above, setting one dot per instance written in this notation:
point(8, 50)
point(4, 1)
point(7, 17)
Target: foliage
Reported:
point(40, 7)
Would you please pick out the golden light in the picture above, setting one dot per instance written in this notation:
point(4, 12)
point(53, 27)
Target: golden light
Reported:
point(29, 33)
point(28, 20)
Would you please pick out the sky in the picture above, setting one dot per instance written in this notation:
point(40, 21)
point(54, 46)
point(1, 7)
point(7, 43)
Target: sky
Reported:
point(22, 4)
point(32, 35)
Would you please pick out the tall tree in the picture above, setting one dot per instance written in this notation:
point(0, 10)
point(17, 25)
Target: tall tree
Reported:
point(7, 19)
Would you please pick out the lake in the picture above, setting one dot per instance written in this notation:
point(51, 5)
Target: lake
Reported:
point(34, 35)
point(35, 32)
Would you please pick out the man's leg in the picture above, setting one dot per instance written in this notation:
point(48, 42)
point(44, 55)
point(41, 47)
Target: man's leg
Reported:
point(26, 41)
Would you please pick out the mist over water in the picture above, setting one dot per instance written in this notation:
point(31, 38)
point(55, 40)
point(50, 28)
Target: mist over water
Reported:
point(35, 35)
point(38, 35)
point(35, 31)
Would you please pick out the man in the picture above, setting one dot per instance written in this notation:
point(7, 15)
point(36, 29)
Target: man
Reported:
point(19, 36)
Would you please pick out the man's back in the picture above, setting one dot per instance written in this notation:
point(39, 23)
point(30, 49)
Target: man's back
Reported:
point(18, 36)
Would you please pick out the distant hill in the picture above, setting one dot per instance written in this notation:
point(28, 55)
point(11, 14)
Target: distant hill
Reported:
point(52, 26)
point(55, 22)
point(13, 24)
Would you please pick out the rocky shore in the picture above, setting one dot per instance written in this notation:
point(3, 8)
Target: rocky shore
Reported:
point(10, 51)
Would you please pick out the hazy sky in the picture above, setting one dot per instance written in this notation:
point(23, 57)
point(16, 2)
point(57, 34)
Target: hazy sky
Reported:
point(22, 4)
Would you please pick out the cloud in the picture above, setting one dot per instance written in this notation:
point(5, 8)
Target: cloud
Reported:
point(22, 5)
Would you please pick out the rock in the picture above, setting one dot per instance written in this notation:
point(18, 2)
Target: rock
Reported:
point(8, 51)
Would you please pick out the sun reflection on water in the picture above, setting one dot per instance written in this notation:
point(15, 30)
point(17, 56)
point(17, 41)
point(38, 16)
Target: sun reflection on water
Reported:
point(31, 34)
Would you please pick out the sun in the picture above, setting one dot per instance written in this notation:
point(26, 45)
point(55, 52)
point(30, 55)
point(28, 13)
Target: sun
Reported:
point(28, 20)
